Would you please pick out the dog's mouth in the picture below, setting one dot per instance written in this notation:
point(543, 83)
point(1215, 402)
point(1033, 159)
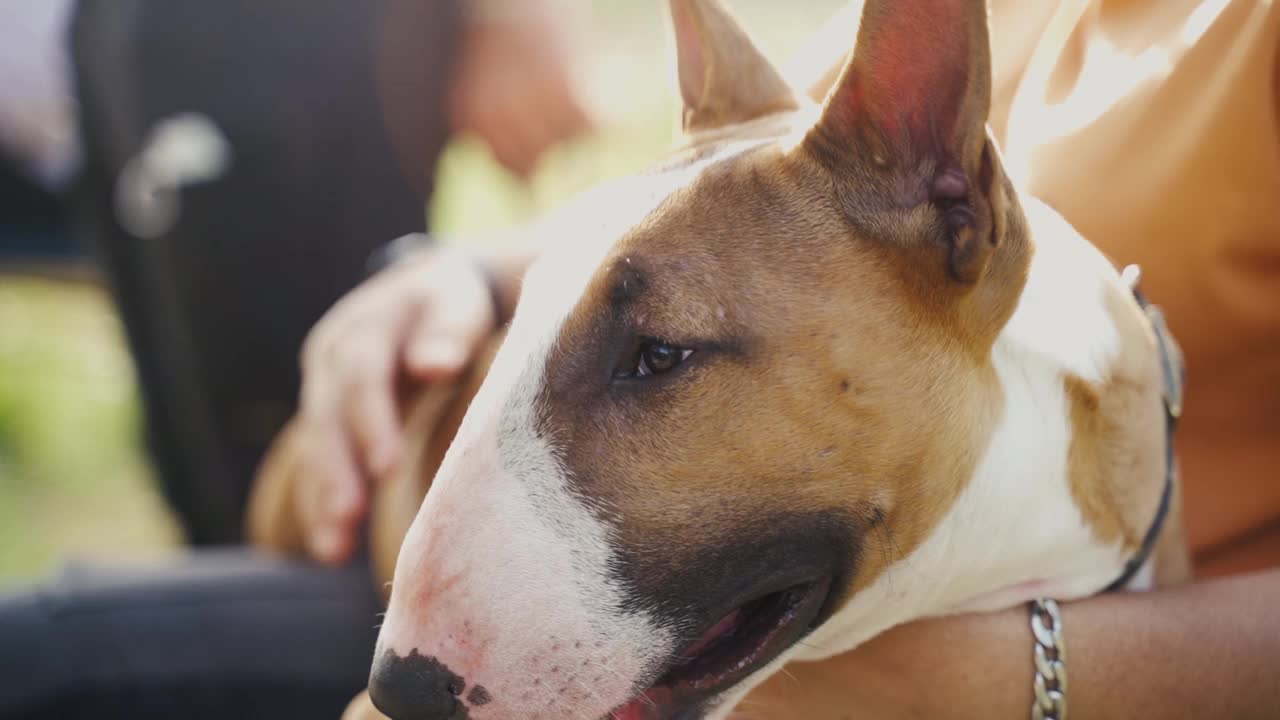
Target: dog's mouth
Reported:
point(740, 643)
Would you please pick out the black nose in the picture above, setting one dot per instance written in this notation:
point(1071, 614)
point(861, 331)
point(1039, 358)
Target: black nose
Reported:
point(415, 688)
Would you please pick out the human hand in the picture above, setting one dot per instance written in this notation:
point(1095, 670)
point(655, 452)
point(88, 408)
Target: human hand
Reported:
point(420, 320)
point(514, 85)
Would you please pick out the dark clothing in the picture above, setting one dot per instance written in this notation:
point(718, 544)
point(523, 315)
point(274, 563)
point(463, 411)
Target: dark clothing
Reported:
point(333, 111)
point(334, 114)
point(32, 224)
point(222, 635)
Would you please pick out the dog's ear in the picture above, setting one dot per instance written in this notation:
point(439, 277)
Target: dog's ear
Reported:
point(912, 102)
point(724, 78)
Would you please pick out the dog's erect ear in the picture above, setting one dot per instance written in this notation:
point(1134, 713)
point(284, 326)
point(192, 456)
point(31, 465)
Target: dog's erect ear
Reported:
point(724, 78)
point(914, 100)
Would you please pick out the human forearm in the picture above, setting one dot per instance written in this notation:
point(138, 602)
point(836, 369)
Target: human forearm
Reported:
point(1205, 650)
point(1210, 650)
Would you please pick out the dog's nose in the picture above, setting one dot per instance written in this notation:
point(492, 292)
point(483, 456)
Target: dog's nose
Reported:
point(415, 687)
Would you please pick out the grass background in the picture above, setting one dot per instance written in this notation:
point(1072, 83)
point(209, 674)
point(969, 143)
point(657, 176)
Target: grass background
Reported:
point(73, 478)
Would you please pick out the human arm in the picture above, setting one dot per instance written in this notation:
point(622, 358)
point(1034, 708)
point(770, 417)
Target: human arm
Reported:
point(1206, 650)
point(515, 84)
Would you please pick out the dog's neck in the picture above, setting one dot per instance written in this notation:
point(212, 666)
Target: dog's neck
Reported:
point(1015, 532)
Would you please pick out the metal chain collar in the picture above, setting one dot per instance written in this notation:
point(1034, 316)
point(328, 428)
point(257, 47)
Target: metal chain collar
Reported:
point(1050, 701)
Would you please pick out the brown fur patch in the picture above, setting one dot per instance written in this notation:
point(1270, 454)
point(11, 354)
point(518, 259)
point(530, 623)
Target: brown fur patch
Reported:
point(1118, 432)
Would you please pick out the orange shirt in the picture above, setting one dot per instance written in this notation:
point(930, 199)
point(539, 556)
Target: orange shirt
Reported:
point(1153, 126)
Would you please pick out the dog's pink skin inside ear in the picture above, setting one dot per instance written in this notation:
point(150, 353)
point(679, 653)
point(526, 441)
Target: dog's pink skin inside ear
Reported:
point(910, 71)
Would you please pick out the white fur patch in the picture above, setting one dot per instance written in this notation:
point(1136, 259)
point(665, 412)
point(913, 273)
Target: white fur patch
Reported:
point(505, 576)
point(529, 610)
point(1061, 316)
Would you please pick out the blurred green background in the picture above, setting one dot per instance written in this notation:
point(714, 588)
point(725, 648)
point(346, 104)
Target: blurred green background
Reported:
point(73, 479)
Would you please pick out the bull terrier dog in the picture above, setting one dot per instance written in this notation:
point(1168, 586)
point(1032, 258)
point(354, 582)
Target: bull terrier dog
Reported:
point(822, 371)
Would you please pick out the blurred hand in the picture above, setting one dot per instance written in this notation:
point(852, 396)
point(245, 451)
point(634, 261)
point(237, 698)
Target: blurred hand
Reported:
point(514, 83)
point(421, 319)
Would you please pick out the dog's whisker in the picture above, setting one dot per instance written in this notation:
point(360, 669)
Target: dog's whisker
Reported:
point(891, 556)
point(811, 646)
point(645, 699)
point(587, 689)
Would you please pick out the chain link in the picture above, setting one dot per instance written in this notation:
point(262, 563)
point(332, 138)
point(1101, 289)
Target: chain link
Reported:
point(1050, 701)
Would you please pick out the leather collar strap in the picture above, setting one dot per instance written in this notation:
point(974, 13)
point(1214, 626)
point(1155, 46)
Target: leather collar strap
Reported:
point(1173, 371)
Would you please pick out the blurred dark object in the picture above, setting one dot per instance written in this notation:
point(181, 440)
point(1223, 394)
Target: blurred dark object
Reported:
point(33, 227)
point(219, 635)
point(333, 116)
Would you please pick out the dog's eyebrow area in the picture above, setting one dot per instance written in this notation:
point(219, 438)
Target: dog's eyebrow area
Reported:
point(628, 282)
point(657, 296)
point(674, 296)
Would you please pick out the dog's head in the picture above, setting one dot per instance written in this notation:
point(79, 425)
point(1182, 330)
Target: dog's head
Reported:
point(736, 388)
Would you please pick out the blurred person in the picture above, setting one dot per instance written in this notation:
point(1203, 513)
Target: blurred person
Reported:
point(233, 166)
point(236, 167)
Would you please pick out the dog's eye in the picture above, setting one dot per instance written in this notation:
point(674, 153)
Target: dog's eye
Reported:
point(655, 357)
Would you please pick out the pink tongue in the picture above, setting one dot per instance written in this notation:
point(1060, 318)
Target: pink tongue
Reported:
point(716, 632)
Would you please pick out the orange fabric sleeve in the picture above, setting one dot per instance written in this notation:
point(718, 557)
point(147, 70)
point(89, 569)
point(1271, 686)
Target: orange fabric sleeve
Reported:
point(1153, 126)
